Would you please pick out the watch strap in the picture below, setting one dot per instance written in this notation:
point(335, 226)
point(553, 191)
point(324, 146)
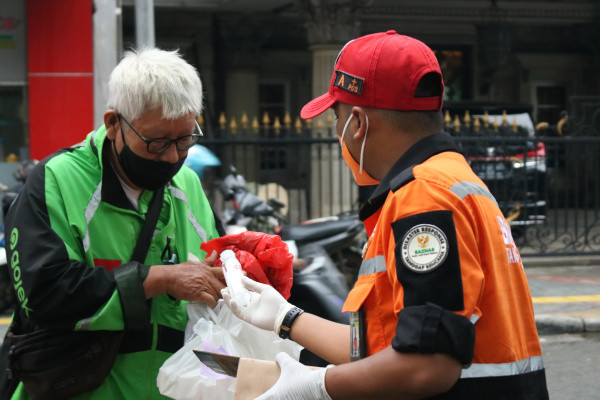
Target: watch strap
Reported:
point(288, 320)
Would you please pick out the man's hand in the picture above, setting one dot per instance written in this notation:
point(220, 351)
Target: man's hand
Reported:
point(266, 308)
point(297, 382)
point(191, 280)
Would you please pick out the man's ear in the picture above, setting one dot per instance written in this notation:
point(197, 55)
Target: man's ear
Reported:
point(111, 121)
point(360, 116)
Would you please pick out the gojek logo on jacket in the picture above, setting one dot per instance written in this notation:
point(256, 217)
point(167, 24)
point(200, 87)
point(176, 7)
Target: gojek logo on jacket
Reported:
point(16, 271)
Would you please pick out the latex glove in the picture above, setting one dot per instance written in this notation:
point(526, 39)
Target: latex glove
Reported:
point(297, 382)
point(266, 308)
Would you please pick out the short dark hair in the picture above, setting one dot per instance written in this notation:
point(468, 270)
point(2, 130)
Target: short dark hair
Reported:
point(415, 122)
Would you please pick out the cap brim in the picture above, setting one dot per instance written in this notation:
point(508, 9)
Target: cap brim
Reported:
point(316, 106)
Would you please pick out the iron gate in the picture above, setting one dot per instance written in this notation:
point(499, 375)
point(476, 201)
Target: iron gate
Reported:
point(548, 187)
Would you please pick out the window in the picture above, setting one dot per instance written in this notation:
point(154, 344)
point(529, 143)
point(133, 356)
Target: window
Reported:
point(273, 99)
point(454, 64)
point(550, 100)
point(12, 124)
point(273, 157)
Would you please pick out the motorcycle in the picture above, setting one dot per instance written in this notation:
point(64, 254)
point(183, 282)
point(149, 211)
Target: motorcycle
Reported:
point(7, 296)
point(8, 299)
point(327, 252)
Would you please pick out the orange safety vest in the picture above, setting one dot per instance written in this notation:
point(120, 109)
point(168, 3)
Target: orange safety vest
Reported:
point(433, 181)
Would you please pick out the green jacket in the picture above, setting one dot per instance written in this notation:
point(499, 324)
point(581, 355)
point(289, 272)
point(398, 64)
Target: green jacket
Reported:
point(71, 217)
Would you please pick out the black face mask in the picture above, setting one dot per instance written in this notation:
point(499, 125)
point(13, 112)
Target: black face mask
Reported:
point(147, 174)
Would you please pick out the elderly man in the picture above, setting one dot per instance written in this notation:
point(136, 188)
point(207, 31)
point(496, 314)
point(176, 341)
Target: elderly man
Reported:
point(441, 308)
point(76, 229)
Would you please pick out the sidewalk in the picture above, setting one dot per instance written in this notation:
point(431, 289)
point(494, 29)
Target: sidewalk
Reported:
point(566, 293)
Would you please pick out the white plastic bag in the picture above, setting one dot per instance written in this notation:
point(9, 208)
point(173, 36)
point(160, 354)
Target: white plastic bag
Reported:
point(184, 377)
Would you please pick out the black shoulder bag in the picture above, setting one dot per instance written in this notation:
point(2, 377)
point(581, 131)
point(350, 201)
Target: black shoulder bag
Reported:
point(56, 364)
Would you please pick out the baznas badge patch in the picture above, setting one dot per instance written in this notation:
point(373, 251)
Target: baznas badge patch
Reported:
point(424, 248)
point(349, 83)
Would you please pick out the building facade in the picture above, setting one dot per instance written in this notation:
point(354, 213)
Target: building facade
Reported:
point(271, 56)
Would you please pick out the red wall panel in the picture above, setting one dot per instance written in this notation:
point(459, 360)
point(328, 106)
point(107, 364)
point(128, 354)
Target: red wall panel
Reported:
point(62, 111)
point(60, 67)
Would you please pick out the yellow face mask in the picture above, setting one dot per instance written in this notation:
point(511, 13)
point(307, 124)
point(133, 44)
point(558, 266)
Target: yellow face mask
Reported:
point(360, 175)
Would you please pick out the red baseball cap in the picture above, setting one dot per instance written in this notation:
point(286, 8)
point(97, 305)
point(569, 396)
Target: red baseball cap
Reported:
point(380, 70)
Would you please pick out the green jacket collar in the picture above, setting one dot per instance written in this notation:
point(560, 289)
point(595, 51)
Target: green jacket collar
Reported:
point(112, 191)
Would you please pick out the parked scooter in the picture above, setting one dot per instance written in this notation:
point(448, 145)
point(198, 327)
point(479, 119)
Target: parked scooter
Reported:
point(341, 236)
point(327, 252)
point(249, 212)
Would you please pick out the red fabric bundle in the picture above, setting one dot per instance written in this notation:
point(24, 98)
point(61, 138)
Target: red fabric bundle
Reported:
point(264, 257)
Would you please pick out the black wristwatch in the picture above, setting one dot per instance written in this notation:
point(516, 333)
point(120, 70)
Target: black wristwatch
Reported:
point(288, 320)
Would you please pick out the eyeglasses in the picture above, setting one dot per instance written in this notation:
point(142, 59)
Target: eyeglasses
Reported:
point(155, 146)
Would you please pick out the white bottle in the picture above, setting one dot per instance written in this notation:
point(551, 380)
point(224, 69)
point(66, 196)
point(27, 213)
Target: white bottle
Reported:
point(233, 276)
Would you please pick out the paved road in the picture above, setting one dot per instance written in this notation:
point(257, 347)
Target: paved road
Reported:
point(572, 366)
point(570, 292)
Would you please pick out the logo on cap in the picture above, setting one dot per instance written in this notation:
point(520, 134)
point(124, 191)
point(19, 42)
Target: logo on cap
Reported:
point(349, 83)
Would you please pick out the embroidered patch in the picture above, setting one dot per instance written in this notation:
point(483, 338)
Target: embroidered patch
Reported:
point(349, 83)
point(441, 284)
point(424, 248)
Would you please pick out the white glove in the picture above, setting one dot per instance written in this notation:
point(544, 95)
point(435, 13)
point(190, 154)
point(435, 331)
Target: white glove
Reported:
point(266, 308)
point(297, 382)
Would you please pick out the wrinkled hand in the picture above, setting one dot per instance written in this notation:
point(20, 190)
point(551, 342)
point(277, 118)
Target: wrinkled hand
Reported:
point(297, 382)
point(195, 281)
point(266, 308)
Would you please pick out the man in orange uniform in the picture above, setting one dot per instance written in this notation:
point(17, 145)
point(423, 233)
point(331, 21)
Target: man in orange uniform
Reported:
point(441, 308)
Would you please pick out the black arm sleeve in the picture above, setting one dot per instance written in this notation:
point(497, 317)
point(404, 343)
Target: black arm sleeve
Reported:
point(432, 288)
point(431, 329)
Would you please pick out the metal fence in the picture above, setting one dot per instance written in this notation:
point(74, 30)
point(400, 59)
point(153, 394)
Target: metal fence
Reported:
point(548, 187)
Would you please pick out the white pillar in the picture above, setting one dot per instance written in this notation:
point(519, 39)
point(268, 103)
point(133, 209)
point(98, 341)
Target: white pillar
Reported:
point(144, 23)
point(330, 197)
point(324, 56)
point(107, 45)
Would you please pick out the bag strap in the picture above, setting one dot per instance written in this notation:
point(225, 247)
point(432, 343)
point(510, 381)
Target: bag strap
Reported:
point(135, 315)
point(147, 231)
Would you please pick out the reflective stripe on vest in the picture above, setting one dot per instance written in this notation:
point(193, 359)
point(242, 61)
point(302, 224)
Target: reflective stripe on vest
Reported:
point(94, 203)
point(524, 366)
point(179, 194)
point(90, 210)
point(463, 189)
point(372, 266)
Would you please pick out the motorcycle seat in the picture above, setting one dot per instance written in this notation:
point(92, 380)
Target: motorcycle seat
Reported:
point(319, 230)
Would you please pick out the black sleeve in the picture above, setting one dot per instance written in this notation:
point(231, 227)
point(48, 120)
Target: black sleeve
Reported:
point(430, 329)
point(428, 268)
point(52, 290)
point(427, 260)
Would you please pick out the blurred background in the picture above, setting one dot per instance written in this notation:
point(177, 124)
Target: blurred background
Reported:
point(522, 94)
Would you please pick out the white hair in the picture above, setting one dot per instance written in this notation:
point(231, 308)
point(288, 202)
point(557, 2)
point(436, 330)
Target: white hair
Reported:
point(151, 78)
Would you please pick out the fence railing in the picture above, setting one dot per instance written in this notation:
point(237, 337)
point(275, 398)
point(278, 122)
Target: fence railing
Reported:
point(548, 187)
